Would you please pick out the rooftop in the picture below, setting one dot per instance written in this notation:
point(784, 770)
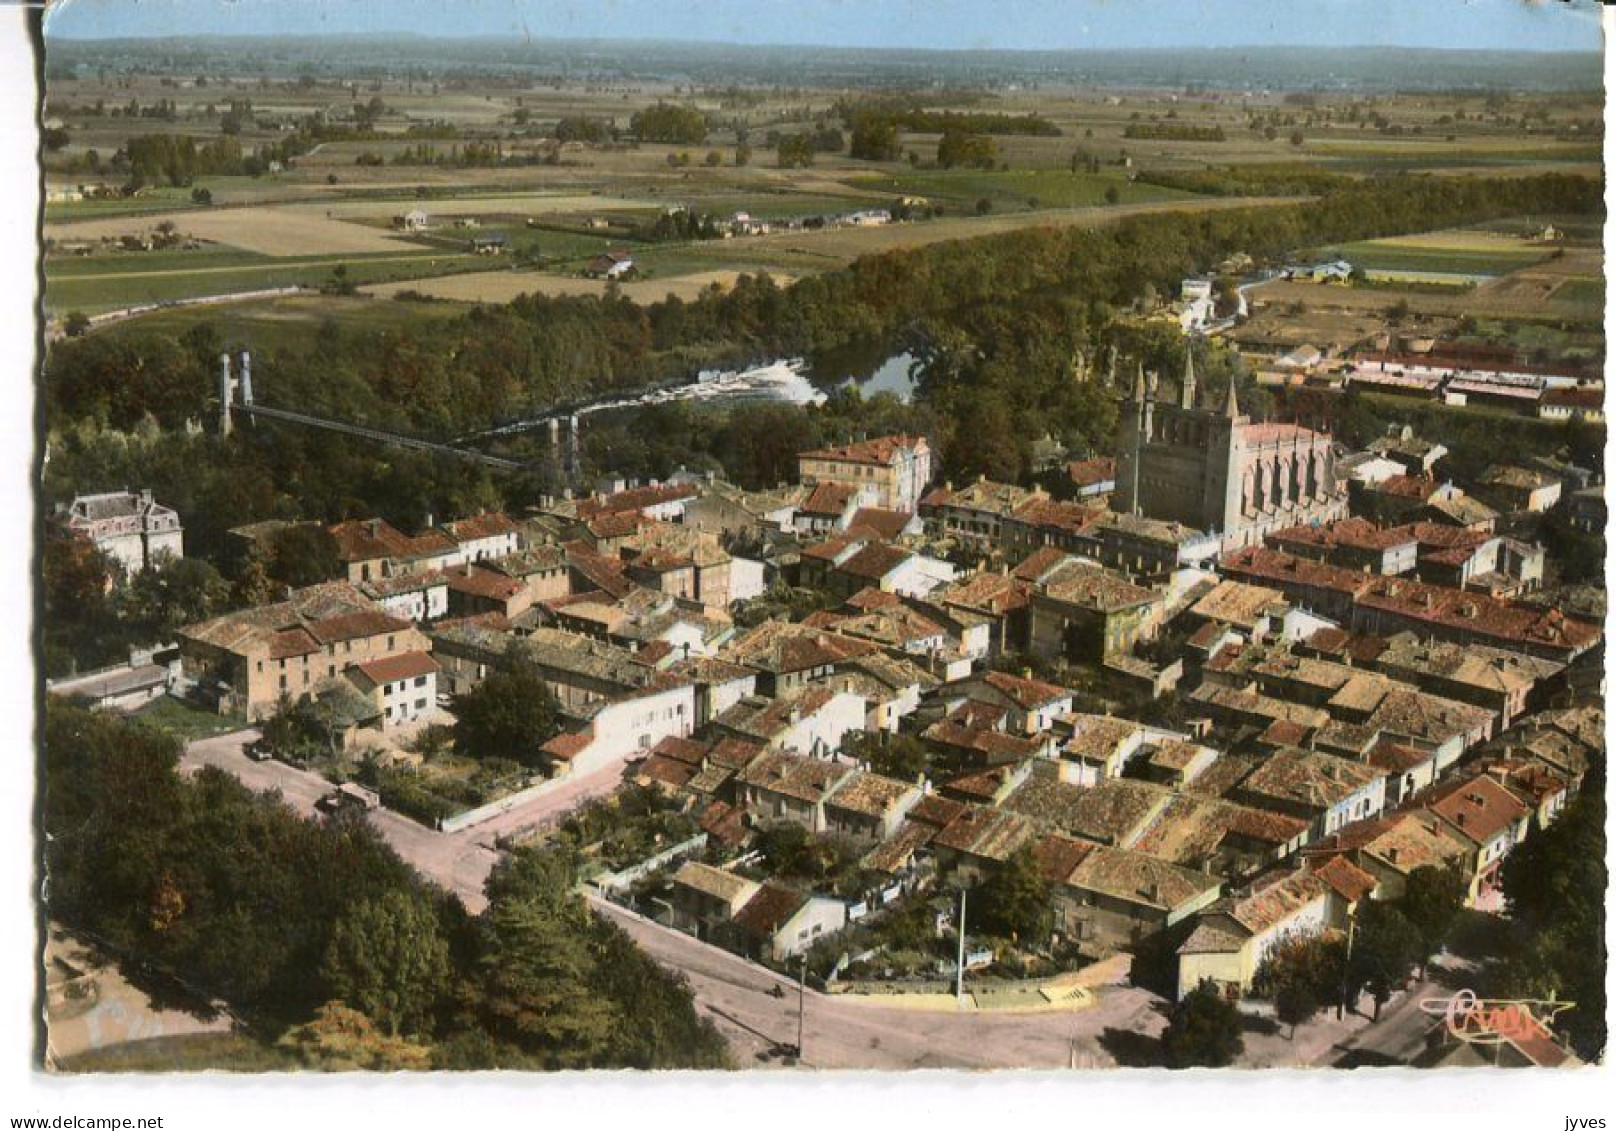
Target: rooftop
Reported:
point(806, 779)
point(716, 882)
point(871, 795)
point(1271, 906)
point(881, 450)
point(1308, 778)
point(1137, 878)
point(1094, 587)
point(405, 665)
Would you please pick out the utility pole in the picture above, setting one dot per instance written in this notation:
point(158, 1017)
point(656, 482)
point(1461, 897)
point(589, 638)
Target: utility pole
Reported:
point(1346, 966)
point(959, 970)
point(802, 995)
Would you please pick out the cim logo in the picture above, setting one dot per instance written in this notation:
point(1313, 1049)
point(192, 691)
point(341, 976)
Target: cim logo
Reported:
point(1481, 1021)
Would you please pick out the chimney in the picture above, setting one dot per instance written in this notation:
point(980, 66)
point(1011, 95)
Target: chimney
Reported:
point(1391, 855)
point(375, 527)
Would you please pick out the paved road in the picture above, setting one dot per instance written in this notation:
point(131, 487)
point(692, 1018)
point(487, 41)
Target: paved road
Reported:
point(1398, 1037)
point(838, 1032)
point(459, 861)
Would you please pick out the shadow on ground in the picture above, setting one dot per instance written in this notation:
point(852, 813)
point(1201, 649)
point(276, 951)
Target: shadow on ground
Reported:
point(1130, 1049)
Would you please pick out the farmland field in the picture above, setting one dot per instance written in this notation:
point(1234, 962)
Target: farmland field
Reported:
point(269, 230)
point(286, 322)
point(96, 292)
point(1022, 188)
point(1436, 258)
point(503, 286)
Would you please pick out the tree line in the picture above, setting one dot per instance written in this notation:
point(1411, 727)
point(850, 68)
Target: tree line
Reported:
point(318, 937)
point(907, 114)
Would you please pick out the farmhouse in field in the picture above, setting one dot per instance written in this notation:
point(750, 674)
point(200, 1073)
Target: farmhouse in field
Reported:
point(611, 265)
point(490, 243)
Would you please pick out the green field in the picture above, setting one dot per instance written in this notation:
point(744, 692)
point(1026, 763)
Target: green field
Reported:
point(750, 256)
point(1374, 255)
point(1018, 188)
point(123, 262)
point(97, 291)
point(1588, 291)
point(157, 200)
point(266, 325)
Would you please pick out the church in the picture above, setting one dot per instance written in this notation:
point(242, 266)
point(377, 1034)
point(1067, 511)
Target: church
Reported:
point(1213, 469)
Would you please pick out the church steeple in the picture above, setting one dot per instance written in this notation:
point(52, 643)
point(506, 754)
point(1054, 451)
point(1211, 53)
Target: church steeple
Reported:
point(1186, 391)
point(1231, 407)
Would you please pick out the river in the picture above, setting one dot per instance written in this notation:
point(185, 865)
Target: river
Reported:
point(791, 380)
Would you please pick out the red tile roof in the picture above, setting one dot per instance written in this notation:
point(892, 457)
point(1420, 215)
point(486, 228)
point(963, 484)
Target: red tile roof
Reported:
point(878, 522)
point(635, 499)
point(1479, 808)
point(881, 450)
point(1091, 472)
point(405, 665)
point(566, 747)
point(363, 540)
point(1024, 692)
point(476, 581)
point(493, 524)
point(352, 626)
point(829, 500)
point(770, 909)
point(1350, 882)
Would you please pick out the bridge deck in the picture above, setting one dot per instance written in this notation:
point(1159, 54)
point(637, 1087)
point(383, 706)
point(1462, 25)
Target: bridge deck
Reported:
point(378, 435)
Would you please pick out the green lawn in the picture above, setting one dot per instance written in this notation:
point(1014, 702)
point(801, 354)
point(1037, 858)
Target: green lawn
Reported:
point(196, 1052)
point(1018, 188)
point(186, 722)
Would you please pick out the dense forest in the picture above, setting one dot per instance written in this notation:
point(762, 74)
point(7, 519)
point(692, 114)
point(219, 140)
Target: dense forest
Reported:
point(312, 931)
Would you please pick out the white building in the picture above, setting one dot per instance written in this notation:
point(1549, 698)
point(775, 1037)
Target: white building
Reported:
point(621, 728)
point(418, 597)
point(484, 537)
point(404, 687)
point(128, 527)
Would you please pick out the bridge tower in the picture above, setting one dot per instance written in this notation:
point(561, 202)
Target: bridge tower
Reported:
point(227, 394)
point(246, 378)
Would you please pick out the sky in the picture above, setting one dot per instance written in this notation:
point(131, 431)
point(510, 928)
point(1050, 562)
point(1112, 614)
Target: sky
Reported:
point(1541, 25)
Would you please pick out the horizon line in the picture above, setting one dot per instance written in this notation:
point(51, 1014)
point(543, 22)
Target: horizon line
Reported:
point(752, 45)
